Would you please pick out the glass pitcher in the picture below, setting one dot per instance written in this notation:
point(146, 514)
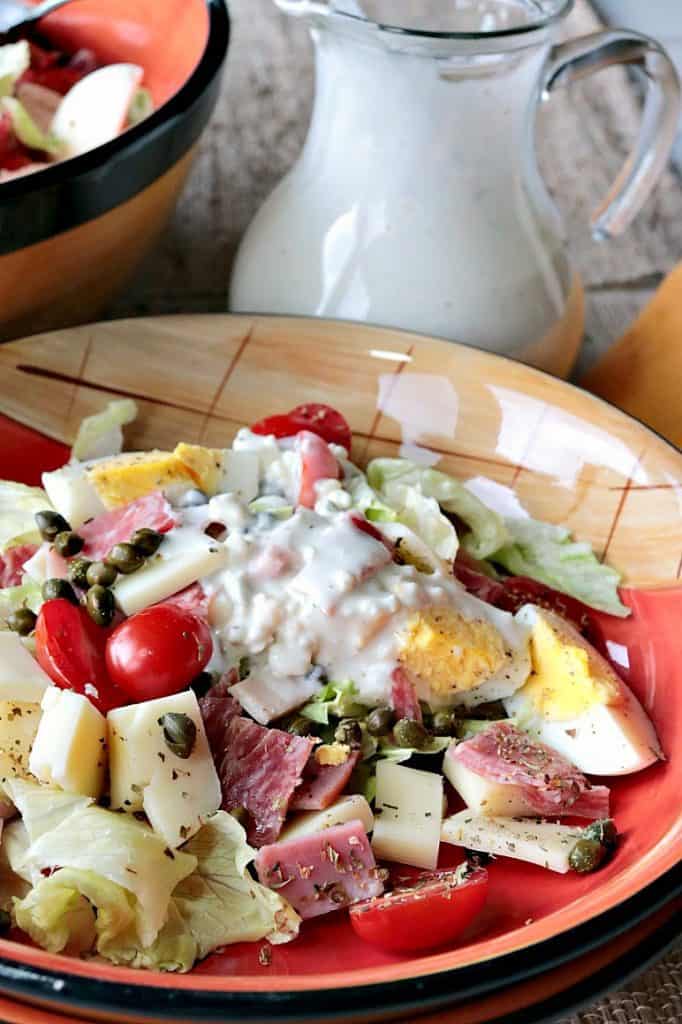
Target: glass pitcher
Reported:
point(417, 201)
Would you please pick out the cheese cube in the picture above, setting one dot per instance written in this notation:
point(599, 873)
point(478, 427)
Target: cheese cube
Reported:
point(345, 809)
point(177, 794)
point(240, 474)
point(72, 494)
point(483, 796)
point(184, 557)
point(18, 726)
point(537, 842)
point(408, 815)
point(21, 677)
point(69, 750)
point(124, 478)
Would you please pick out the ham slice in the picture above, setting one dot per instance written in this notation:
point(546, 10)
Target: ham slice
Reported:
point(117, 527)
point(322, 872)
point(404, 696)
point(551, 785)
point(322, 783)
point(317, 463)
point(12, 564)
point(192, 599)
point(259, 768)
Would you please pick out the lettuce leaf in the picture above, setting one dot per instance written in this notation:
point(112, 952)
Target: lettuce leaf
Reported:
point(115, 846)
point(15, 58)
point(546, 553)
point(18, 505)
point(220, 903)
point(396, 479)
point(337, 699)
point(28, 595)
point(26, 130)
point(101, 435)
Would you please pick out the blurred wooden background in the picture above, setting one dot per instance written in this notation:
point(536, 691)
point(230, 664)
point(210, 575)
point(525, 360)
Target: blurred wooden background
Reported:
point(260, 123)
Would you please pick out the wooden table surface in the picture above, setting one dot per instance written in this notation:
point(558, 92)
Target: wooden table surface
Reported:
point(254, 137)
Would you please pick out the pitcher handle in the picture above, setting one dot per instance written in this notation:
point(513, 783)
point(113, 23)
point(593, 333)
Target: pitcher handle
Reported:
point(577, 58)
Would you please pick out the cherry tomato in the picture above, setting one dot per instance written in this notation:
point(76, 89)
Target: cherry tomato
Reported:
point(70, 649)
point(159, 651)
point(317, 463)
point(434, 911)
point(370, 529)
point(319, 419)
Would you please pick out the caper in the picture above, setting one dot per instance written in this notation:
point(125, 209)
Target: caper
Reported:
point(78, 573)
point(202, 683)
point(300, 726)
point(604, 832)
point(54, 589)
point(22, 621)
point(68, 543)
point(409, 733)
point(50, 523)
point(444, 723)
point(179, 733)
point(101, 574)
point(348, 731)
point(100, 604)
point(244, 667)
point(125, 558)
point(586, 855)
point(380, 721)
point(5, 922)
point(146, 541)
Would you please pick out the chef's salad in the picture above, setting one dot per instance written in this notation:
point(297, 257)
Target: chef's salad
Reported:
point(239, 685)
point(54, 105)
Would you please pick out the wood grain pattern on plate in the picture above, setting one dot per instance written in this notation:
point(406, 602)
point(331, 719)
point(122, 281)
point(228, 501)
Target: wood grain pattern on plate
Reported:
point(569, 457)
point(566, 455)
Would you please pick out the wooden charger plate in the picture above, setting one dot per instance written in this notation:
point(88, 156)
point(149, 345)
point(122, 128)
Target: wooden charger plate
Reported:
point(565, 455)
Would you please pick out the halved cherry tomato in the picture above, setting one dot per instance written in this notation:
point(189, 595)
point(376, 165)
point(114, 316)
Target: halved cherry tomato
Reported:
point(159, 651)
point(70, 648)
point(434, 911)
point(319, 419)
point(317, 463)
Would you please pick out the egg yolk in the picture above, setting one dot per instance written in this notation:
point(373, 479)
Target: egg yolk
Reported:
point(450, 653)
point(566, 680)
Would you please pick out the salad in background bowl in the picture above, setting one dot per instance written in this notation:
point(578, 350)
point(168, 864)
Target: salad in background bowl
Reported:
point(54, 105)
point(251, 686)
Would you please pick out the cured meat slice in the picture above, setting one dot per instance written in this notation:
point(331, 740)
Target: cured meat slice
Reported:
point(549, 784)
point(322, 872)
point(404, 696)
point(322, 783)
point(12, 564)
point(259, 768)
point(192, 599)
point(116, 527)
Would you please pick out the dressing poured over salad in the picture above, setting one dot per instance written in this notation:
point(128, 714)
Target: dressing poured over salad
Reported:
point(238, 685)
point(54, 106)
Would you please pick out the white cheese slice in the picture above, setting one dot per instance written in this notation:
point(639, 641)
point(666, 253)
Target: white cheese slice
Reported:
point(18, 726)
point(485, 797)
point(177, 794)
point(266, 697)
point(345, 809)
point(409, 811)
point(537, 842)
point(21, 677)
point(72, 495)
point(69, 750)
point(239, 474)
point(185, 556)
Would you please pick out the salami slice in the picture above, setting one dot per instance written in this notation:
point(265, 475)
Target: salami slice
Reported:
point(12, 564)
point(404, 696)
point(117, 527)
point(322, 783)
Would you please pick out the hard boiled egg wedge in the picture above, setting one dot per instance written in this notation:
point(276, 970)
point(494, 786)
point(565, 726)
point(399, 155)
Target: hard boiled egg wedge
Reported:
point(465, 652)
point(576, 703)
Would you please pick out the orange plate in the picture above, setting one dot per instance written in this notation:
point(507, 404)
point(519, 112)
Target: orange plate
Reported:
point(567, 456)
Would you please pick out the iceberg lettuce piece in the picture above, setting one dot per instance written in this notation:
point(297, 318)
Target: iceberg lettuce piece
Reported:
point(337, 699)
point(18, 505)
point(546, 553)
point(28, 595)
point(101, 435)
point(395, 479)
point(15, 58)
point(26, 130)
point(220, 902)
point(42, 808)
